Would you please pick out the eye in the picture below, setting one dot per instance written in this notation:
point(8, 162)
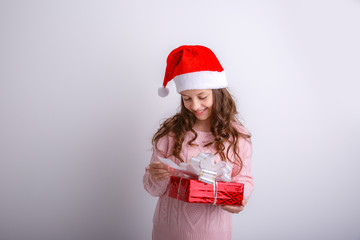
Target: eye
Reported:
point(186, 99)
point(202, 97)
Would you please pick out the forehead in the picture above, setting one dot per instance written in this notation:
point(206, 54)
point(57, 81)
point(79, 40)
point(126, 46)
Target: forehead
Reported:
point(195, 92)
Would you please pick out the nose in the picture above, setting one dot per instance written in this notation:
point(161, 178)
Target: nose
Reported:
point(195, 105)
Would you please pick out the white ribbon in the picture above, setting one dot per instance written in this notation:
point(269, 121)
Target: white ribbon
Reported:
point(179, 189)
point(203, 166)
point(215, 192)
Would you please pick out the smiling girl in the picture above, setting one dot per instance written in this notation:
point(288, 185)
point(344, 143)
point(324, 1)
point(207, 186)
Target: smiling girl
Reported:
point(206, 123)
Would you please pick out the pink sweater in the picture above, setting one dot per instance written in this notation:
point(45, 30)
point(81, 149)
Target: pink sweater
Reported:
point(179, 220)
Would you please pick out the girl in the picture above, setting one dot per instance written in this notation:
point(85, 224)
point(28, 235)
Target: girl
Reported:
point(206, 123)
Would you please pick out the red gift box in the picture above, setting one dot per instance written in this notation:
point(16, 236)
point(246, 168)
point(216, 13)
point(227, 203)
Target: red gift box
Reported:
point(195, 191)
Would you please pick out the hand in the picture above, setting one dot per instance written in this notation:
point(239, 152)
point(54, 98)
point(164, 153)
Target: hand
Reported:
point(235, 209)
point(160, 171)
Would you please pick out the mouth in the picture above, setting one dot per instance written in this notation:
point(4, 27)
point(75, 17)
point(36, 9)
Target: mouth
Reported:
point(198, 113)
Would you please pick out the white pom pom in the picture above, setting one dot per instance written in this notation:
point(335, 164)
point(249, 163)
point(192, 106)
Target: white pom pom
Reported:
point(163, 92)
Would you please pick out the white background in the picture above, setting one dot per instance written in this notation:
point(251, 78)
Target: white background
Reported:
point(79, 105)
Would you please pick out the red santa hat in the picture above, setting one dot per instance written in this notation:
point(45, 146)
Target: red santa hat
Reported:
point(193, 67)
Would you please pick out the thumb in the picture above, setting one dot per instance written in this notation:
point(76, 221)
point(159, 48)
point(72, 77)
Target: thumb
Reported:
point(244, 202)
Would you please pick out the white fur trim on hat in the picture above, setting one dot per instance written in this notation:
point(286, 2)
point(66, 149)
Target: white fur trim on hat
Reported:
point(200, 80)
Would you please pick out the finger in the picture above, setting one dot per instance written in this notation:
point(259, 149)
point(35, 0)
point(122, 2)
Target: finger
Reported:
point(240, 209)
point(224, 208)
point(166, 174)
point(159, 170)
point(161, 177)
point(155, 166)
point(244, 202)
point(233, 209)
point(157, 176)
point(160, 174)
point(159, 165)
point(228, 209)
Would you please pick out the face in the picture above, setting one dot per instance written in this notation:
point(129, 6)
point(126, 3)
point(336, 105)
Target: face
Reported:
point(199, 102)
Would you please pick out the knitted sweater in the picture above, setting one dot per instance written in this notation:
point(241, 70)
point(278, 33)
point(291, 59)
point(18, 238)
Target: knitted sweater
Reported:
point(178, 220)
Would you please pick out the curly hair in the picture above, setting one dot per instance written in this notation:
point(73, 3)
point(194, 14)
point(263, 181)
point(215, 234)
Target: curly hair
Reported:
point(223, 115)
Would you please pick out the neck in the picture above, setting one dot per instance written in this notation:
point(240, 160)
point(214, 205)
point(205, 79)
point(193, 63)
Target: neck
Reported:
point(203, 126)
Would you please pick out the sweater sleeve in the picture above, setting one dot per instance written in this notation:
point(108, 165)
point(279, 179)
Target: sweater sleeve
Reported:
point(157, 188)
point(245, 175)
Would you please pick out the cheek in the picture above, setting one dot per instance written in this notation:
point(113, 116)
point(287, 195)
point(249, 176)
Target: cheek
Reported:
point(187, 105)
point(209, 104)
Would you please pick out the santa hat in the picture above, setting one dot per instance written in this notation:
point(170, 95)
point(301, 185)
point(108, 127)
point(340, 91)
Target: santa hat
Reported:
point(193, 67)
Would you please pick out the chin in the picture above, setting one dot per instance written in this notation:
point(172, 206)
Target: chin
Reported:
point(203, 118)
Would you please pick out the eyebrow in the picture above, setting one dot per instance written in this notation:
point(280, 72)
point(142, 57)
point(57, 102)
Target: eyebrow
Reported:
point(188, 96)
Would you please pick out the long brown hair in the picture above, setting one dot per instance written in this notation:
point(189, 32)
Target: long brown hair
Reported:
point(223, 115)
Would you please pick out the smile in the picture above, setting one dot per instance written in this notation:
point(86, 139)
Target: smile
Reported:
point(200, 112)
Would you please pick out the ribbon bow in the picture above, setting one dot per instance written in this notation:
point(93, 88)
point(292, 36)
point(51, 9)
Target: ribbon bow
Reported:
point(204, 167)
